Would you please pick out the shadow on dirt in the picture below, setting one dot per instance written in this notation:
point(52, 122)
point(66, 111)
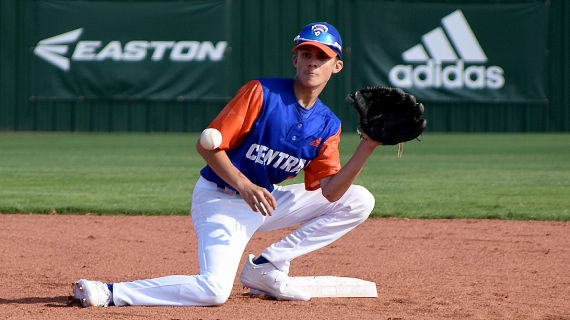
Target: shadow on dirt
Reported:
point(53, 302)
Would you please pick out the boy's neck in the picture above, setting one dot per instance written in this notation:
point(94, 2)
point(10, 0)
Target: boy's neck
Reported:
point(306, 96)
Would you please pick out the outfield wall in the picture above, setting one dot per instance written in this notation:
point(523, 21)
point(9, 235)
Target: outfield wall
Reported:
point(170, 66)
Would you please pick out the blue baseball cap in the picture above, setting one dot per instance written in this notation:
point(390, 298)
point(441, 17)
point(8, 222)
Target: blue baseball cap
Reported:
point(321, 35)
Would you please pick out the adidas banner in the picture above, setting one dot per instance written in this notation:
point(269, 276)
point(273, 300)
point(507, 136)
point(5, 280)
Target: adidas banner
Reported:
point(126, 50)
point(450, 52)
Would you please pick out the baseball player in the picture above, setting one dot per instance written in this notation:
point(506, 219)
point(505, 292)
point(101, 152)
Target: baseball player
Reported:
point(271, 130)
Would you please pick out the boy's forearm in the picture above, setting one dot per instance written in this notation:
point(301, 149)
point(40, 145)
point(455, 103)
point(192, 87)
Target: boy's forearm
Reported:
point(333, 187)
point(219, 161)
point(258, 198)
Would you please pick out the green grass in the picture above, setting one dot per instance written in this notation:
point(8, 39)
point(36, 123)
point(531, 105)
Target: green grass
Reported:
point(504, 176)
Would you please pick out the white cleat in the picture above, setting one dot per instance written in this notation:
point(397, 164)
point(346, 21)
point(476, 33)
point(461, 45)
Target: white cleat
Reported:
point(92, 293)
point(270, 280)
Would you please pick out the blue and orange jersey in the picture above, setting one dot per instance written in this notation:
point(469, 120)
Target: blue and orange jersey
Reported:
point(269, 137)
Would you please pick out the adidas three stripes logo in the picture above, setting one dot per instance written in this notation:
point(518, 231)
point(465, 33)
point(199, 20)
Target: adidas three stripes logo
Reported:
point(449, 57)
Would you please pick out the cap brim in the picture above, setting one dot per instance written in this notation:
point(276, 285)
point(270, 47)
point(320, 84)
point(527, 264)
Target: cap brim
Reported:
point(328, 51)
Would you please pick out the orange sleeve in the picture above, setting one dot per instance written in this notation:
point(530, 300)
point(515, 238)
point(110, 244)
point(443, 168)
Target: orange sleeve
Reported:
point(325, 164)
point(239, 115)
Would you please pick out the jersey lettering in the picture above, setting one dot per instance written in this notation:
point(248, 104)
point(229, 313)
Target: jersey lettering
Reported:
point(265, 156)
point(287, 166)
point(252, 148)
point(282, 155)
point(300, 166)
point(271, 154)
point(261, 154)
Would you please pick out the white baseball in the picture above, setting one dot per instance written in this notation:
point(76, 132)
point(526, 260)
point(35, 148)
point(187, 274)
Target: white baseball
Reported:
point(210, 139)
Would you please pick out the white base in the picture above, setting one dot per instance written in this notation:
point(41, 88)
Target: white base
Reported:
point(332, 287)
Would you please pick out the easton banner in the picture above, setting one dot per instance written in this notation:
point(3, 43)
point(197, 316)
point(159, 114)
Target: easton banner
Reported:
point(450, 52)
point(126, 50)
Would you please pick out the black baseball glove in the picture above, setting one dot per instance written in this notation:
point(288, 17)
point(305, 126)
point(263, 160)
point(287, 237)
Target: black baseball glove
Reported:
point(388, 115)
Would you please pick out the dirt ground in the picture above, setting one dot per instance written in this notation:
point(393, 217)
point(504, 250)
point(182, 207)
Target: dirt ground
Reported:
point(424, 269)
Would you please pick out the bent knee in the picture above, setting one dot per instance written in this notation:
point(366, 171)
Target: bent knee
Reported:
point(219, 296)
point(217, 300)
point(216, 293)
point(361, 201)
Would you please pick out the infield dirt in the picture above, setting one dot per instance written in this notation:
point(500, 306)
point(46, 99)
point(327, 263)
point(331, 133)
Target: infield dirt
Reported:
point(424, 269)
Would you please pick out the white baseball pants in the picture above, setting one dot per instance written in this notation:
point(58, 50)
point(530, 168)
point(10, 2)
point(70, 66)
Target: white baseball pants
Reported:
point(224, 223)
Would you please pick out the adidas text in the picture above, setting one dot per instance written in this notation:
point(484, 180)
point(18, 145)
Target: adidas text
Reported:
point(449, 76)
point(450, 57)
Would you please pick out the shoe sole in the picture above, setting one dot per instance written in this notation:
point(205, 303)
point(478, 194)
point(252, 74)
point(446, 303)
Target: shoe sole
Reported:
point(259, 292)
point(279, 298)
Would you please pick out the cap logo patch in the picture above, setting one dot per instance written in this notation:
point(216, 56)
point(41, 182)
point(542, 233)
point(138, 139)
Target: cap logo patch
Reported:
point(319, 28)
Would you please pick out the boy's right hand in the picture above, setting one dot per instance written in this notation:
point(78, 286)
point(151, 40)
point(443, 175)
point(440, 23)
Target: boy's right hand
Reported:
point(258, 198)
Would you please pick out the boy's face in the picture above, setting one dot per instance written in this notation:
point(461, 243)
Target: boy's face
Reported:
point(314, 67)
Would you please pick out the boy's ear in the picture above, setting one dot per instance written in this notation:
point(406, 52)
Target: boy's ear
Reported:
point(338, 66)
point(295, 60)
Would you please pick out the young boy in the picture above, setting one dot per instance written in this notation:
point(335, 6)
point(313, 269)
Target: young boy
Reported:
point(271, 130)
